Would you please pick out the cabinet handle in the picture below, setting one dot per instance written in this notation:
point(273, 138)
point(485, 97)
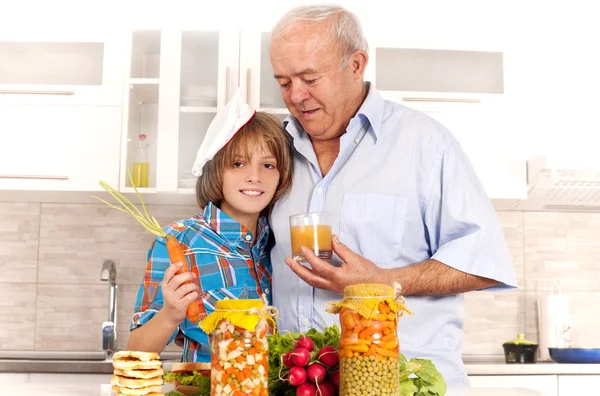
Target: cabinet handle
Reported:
point(35, 92)
point(227, 82)
point(37, 177)
point(248, 85)
point(441, 100)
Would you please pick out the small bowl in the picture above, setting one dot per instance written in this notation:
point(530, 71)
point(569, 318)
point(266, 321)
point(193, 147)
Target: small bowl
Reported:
point(520, 351)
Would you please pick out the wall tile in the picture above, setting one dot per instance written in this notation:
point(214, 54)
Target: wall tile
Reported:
point(512, 226)
point(19, 230)
point(77, 238)
point(70, 316)
point(17, 324)
point(492, 319)
point(562, 247)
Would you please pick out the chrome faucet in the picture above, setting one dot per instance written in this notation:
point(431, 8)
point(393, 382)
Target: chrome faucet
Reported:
point(109, 328)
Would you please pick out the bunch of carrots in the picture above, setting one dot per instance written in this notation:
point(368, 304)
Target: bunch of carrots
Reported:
point(369, 337)
point(174, 247)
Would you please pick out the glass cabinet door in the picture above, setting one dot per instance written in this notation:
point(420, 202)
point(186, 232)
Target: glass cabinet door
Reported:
point(256, 74)
point(208, 78)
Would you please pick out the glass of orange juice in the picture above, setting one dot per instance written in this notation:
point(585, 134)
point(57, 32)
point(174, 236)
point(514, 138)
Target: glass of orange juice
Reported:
point(312, 230)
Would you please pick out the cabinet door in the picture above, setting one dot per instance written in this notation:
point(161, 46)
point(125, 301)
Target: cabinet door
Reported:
point(545, 384)
point(59, 147)
point(256, 73)
point(178, 81)
point(569, 385)
point(72, 68)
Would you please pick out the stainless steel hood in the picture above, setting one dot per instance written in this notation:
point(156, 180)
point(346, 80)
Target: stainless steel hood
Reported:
point(557, 190)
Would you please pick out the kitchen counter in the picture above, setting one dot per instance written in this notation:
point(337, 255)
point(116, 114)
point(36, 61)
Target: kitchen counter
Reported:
point(52, 389)
point(105, 367)
point(531, 369)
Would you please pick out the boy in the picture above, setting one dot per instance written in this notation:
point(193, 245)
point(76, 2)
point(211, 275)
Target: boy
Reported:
point(245, 165)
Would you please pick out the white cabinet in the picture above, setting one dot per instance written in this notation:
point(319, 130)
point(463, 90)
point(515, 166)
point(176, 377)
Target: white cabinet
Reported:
point(61, 68)
point(59, 147)
point(545, 384)
point(575, 385)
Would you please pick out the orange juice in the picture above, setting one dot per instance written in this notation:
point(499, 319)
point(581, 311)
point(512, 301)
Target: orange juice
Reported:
point(141, 173)
point(315, 237)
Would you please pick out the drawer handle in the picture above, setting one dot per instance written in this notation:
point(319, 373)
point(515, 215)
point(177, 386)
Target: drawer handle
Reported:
point(441, 100)
point(36, 177)
point(35, 92)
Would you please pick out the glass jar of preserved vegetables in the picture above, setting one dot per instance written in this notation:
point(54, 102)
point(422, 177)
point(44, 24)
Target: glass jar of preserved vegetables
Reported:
point(239, 347)
point(369, 346)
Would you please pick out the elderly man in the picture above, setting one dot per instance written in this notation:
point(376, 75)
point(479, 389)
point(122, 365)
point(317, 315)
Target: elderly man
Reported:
point(406, 203)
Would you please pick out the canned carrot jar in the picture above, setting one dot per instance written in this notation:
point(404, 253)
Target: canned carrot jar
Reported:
point(369, 346)
point(239, 347)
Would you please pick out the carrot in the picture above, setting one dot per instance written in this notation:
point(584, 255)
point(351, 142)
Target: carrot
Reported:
point(174, 247)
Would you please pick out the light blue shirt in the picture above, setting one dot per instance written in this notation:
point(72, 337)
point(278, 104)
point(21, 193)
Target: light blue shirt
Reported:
point(401, 191)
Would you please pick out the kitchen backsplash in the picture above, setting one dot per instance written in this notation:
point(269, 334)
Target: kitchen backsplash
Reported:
point(52, 298)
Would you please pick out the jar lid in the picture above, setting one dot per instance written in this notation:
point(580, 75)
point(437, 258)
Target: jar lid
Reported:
point(519, 341)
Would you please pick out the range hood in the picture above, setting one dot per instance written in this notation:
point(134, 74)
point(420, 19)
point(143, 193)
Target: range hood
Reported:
point(557, 189)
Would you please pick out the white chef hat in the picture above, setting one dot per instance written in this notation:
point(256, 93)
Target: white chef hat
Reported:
point(222, 129)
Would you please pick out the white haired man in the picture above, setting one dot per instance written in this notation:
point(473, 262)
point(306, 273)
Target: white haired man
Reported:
point(406, 203)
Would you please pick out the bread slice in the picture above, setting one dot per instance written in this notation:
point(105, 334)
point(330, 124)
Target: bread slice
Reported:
point(148, 390)
point(136, 364)
point(136, 355)
point(144, 374)
point(135, 383)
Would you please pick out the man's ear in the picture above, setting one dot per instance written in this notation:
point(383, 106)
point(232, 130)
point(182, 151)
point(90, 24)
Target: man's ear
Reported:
point(359, 61)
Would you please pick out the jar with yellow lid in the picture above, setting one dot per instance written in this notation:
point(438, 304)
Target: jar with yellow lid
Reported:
point(239, 348)
point(369, 346)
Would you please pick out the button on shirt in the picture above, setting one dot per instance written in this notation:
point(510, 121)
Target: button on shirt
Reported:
point(228, 267)
point(401, 191)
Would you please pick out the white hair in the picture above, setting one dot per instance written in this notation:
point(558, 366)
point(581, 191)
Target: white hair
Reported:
point(345, 27)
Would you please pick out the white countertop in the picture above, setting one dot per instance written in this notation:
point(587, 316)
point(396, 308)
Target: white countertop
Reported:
point(531, 369)
point(53, 389)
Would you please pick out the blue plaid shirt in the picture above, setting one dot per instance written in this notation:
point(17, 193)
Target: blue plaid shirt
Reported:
point(219, 251)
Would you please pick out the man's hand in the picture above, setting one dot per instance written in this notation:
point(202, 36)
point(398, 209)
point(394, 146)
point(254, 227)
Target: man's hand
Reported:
point(354, 269)
point(177, 294)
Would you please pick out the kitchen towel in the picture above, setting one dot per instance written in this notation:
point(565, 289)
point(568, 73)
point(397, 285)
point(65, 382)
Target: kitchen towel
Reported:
point(554, 321)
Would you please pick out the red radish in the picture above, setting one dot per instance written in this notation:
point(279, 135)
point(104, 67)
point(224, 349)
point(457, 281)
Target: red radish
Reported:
point(300, 356)
point(306, 389)
point(329, 356)
point(297, 376)
point(304, 342)
point(325, 389)
point(316, 373)
point(334, 378)
point(287, 360)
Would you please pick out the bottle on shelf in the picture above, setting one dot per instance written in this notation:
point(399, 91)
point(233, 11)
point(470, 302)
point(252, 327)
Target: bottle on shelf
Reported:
point(141, 168)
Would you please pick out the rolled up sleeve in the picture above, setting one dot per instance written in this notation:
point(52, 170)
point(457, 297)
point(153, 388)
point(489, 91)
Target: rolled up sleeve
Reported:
point(462, 226)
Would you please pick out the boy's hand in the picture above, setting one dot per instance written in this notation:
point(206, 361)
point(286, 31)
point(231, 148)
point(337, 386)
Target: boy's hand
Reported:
point(177, 295)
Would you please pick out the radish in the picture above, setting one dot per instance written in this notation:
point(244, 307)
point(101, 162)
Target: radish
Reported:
point(304, 342)
point(329, 356)
point(316, 373)
point(300, 356)
point(334, 378)
point(306, 389)
point(287, 360)
point(297, 376)
point(325, 389)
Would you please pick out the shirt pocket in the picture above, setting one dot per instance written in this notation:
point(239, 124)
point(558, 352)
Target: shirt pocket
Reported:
point(372, 225)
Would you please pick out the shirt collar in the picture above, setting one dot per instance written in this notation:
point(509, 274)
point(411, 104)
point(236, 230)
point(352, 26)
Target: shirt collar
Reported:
point(371, 109)
point(230, 229)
